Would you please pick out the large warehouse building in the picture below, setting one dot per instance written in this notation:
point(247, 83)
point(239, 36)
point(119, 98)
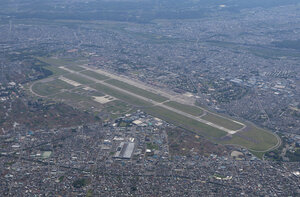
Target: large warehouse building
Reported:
point(124, 150)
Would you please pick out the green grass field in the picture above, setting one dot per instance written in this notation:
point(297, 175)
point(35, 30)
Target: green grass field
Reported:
point(253, 138)
point(185, 122)
point(117, 107)
point(136, 90)
point(61, 61)
point(78, 78)
point(53, 61)
point(51, 87)
point(224, 122)
point(120, 95)
point(87, 92)
point(55, 70)
point(75, 68)
point(71, 97)
point(95, 75)
point(193, 110)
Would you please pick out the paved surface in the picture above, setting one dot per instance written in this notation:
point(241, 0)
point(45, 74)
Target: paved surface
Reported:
point(171, 97)
point(197, 118)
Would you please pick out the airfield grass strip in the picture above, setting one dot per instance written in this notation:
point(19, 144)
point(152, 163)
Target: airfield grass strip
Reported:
point(71, 97)
point(55, 70)
point(60, 61)
point(94, 75)
point(253, 138)
point(222, 121)
point(193, 110)
point(136, 90)
point(75, 68)
point(79, 79)
point(51, 87)
point(175, 118)
point(121, 95)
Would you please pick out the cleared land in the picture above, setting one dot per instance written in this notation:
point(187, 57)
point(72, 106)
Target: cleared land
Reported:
point(224, 122)
point(193, 110)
